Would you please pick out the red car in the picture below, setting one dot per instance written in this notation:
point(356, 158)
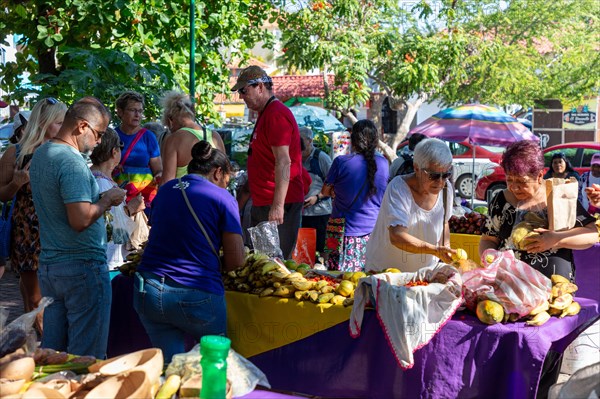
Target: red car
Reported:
point(492, 179)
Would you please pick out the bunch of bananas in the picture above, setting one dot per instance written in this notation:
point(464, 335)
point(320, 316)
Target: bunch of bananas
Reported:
point(561, 303)
point(252, 275)
point(267, 277)
point(133, 260)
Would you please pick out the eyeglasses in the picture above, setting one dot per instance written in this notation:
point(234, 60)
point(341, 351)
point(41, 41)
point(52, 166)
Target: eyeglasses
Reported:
point(121, 145)
point(51, 100)
point(97, 134)
point(135, 111)
point(438, 175)
point(244, 90)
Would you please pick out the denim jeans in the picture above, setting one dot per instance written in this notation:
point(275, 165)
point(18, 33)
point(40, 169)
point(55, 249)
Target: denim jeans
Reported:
point(77, 321)
point(169, 311)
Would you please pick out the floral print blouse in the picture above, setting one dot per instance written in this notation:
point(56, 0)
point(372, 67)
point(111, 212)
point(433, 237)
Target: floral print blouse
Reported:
point(503, 216)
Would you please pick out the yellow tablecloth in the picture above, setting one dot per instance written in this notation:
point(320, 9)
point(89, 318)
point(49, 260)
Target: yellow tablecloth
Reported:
point(256, 325)
point(468, 242)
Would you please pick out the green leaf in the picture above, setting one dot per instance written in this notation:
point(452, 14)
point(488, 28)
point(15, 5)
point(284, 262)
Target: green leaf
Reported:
point(49, 42)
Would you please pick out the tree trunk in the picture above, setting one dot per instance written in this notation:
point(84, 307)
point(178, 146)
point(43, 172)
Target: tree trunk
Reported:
point(46, 56)
point(389, 151)
point(47, 60)
point(375, 109)
point(404, 126)
point(348, 114)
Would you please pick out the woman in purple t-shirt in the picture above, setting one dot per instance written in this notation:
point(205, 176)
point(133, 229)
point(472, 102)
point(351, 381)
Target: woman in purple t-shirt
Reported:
point(178, 288)
point(356, 182)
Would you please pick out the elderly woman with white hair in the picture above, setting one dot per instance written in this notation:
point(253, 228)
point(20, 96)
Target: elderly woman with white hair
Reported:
point(412, 230)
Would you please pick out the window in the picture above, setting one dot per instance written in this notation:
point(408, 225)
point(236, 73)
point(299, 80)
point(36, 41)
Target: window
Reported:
point(587, 157)
point(570, 154)
point(458, 149)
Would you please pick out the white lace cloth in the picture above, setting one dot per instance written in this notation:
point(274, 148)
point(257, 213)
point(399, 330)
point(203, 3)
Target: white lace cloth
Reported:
point(409, 316)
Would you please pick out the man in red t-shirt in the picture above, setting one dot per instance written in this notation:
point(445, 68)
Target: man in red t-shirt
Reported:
point(274, 158)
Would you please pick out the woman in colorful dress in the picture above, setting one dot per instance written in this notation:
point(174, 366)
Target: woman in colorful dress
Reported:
point(356, 182)
point(550, 251)
point(140, 167)
point(179, 117)
point(45, 121)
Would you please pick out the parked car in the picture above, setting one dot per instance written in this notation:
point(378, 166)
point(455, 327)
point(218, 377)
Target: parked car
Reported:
point(6, 132)
point(463, 171)
point(492, 179)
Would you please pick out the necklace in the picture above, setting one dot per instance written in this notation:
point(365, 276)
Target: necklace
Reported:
point(64, 141)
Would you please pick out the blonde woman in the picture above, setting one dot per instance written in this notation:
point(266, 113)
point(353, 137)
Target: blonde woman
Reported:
point(179, 117)
point(46, 119)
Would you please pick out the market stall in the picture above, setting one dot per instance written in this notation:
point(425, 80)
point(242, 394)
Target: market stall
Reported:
point(308, 349)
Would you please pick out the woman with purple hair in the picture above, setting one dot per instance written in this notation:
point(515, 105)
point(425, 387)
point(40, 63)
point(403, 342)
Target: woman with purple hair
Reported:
point(550, 251)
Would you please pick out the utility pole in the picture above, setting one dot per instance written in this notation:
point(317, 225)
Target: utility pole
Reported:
point(192, 51)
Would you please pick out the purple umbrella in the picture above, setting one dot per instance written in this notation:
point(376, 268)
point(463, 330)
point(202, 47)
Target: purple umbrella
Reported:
point(477, 123)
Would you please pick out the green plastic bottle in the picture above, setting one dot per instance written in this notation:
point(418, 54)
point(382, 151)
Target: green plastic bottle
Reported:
point(214, 350)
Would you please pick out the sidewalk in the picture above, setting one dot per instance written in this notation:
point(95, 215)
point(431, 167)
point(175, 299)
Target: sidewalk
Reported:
point(10, 296)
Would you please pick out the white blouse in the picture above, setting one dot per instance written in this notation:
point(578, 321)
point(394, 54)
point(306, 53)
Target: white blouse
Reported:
point(399, 208)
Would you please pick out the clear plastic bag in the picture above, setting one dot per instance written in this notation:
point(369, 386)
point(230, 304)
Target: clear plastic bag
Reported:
point(265, 239)
point(122, 225)
point(243, 375)
point(514, 284)
point(17, 333)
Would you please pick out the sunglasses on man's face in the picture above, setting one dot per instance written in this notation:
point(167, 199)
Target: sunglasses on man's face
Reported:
point(244, 90)
point(438, 175)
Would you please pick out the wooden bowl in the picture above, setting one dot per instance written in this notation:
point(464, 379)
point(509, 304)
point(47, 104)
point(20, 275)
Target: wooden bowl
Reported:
point(134, 385)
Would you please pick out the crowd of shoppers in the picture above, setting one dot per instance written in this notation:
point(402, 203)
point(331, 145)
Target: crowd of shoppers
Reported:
point(178, 173)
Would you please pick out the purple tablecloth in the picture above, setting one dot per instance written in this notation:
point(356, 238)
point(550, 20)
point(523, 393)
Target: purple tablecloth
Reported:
point(465, 359)
point(261, 394)
point(587, 272)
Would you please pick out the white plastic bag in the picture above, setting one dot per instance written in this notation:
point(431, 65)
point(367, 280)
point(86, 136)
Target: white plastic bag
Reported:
point(122, 225)
point(243, 375)
point(16, 334)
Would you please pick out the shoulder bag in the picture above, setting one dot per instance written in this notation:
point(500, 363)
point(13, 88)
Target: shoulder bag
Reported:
point(187, 201)
point(6, 228)
point(334, 236)
point(6, 216)
point(119, 169)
